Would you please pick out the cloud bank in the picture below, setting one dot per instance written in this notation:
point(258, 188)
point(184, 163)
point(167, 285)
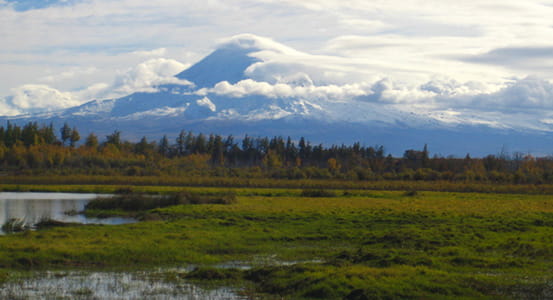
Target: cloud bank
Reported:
point(145, 77)
point(451, 58)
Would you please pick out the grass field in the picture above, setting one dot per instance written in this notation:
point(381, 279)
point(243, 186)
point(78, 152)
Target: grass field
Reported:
point(351, 244)
point(92, 183)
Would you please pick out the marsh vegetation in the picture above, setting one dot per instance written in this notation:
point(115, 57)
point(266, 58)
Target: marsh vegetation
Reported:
point(351, 244)
point(111, 285)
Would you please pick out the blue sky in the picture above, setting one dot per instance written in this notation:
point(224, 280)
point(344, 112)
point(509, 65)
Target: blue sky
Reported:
point(428, 55)
point(25, 5)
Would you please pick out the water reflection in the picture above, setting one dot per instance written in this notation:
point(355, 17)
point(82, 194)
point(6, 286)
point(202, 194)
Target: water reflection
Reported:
point(34, 207)
point(108, 285)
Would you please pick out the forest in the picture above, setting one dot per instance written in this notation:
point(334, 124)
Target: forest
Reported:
point(38, 149)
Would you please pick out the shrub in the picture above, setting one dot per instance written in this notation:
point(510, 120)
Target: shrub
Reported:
point(411, 193)
point(139, 202)
point(318, 193)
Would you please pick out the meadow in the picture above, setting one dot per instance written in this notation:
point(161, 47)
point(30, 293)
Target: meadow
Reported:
point(166, 184)
point(292, 243)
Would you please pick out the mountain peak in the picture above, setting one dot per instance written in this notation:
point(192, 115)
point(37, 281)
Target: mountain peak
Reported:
point(231, 59)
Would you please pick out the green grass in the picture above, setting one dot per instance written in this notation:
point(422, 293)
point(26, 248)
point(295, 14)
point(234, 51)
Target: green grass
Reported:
point(98, 183)
point(350, 244)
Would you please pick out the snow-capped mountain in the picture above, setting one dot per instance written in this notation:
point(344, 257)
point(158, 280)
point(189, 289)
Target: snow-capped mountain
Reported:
point(248, 85)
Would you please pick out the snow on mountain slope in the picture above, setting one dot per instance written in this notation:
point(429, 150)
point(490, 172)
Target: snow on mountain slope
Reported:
point(225, 64)
point(223, 90)
point(253, 85)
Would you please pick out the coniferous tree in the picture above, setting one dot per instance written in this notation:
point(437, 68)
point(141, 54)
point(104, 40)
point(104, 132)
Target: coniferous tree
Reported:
point(91, 141)
point(142, 147)
point(200, 146)
point(425, 156)
point(48, 134)
point(189, 143)
point(2, 136)
point(181, 143)
point(114, 139)
point(65, 132)
point(164, 148)
point(75, 137)
point(217, 154)
point(13, 134)
point(30, 135)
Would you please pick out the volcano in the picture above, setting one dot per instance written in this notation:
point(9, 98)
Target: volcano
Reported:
point(248, 86)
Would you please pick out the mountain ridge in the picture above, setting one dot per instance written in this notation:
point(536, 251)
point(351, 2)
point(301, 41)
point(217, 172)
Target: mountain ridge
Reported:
point(224, 98)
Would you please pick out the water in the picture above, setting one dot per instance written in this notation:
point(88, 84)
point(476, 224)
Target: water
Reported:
point(34, 207)
point(109, 285)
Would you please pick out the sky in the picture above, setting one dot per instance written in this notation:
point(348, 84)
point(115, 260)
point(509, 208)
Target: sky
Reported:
point(476, 59)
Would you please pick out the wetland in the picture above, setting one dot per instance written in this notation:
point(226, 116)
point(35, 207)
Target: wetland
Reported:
point(26, 209)
point(295, 244)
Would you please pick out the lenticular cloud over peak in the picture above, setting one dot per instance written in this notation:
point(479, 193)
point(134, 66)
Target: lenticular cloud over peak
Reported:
point(248, 56)
point(254, 43)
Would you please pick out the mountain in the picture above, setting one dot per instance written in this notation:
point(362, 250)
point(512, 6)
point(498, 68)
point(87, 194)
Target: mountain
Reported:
point(229, 96)
point(225, 64)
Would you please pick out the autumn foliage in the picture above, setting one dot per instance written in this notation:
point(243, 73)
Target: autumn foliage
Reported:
point(37, 150)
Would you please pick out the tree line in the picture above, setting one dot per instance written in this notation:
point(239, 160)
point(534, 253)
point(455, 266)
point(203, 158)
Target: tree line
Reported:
point(39, 149)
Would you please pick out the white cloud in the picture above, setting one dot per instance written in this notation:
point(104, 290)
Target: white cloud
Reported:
point(391, 38)
point(36, 98)
point(527, 93)
point(432, 54)
point(150, 53)
point(69, 74)
point(250, 87)
point(8, 110)
point(146, 76)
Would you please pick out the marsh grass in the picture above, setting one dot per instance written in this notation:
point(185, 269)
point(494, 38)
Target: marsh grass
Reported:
point(130, 201)
point(368, 244)
point(108, 184)
point(317, 193)
point(15, 225)
point(3, 276)
point(46, 223)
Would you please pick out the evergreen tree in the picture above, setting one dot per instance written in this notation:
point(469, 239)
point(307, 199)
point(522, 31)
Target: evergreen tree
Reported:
point(291, 151)
point(75, 137)
point(142, 147)
point(200, 146)
point(164, 148)
point(65, 132)
point(114, 139)
point(30, 135)
point(91, 141)
point(181, 143)
point(2, 136)
point(48, 134)
point(217, 154)
point(12, 135)
point(189, 143)
point(425, 157)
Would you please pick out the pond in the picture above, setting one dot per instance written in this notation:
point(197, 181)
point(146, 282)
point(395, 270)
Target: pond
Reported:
point(163, 284)
point(110, 285)
point(32, 208)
